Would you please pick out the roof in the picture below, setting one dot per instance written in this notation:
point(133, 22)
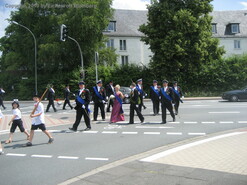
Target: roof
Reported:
point(224, 19)
point(128, 22)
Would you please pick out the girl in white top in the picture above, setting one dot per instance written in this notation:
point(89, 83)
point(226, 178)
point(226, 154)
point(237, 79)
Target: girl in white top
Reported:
point(38, 121)
point(17, 122)
point(1, 117)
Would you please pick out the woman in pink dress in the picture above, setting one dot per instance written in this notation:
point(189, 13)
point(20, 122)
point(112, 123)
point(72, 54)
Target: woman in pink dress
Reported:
point(117, 110)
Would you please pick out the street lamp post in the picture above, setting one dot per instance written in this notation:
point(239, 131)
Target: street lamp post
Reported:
point(96, 57)
point(82, 66)
point(35, 55)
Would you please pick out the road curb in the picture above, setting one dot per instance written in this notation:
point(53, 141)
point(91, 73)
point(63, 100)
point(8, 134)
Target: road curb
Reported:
point(145, 154)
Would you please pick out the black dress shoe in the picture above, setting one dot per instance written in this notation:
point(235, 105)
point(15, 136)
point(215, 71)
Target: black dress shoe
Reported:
point(142, 121)
point(130, 123)
point(174, 119)
point(163, 122)
point(72, 129)
point(71, 108)
point(86, 129)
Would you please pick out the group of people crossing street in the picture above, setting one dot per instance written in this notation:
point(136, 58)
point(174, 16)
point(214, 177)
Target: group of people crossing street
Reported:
point(168, 97)
point(109, 98)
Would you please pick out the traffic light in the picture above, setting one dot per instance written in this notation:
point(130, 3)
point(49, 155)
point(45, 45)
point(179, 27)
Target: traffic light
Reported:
point(64, 32)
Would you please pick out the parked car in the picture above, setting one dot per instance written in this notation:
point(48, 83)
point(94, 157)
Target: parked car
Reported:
point(126, 91)
point(235, 95)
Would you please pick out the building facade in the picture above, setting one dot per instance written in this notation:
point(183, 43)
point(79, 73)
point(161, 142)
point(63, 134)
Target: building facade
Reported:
point(230, 27)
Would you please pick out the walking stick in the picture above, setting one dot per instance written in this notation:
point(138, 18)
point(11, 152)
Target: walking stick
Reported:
point(35, 108)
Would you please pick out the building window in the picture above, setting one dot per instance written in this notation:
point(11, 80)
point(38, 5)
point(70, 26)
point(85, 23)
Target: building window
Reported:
point(125, 60)
point(237, 44)
point(110, 43)
point(214, 28)
point(123, 45)
point(111, 26)
point(235, 28)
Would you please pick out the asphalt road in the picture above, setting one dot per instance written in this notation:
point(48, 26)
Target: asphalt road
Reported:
point(73, 154)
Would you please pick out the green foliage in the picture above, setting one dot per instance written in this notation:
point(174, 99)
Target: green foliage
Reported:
point(57, 61)
point(179, 35)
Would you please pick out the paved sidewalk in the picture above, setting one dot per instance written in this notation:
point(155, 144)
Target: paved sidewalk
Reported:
point(216, 160)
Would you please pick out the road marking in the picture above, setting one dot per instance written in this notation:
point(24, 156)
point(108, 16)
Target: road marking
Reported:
point(96, 159)
point(90, 132)
point(197, 134)
point(109, 132)
point(16, 155)
point(67, 157)
point(151, 133)
point(242, 122)
point(226, 122)
point(208, 122)
point(152, 127)
point(183, 147)
point(42, 156)
point(174, 133)
point(223, 112)
point(175, 122)
point(3, 131)
point(129, 132)
point(190, 122)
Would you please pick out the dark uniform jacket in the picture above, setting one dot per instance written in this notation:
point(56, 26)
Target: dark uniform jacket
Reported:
point(66, 94)
point(134, 96)
point(153, 95)
point(51, 94)
point(85, 95)
point(1, 94)
point(169, 92)
point(109, 90)
point(102, 92)
point(179, 92)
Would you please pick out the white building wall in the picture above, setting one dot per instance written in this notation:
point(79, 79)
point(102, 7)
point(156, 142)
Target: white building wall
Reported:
point(228, 44)
point(137, 52)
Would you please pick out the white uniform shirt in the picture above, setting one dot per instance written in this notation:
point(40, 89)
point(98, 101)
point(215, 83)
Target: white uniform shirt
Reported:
point(98, 87)
point(39, 119)
point(176, 88)
point(112, 88)
point(156, 87)
point(165, 88)
point(17, 113)
point(1, 114)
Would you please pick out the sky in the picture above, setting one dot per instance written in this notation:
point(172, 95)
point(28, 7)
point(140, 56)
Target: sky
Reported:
point(219, 5)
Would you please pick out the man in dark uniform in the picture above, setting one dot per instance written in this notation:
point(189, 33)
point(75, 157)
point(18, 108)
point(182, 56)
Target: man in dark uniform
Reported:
point(82, 107)
point(66, 97)
point(134, 101)
point(155, 97)
point(178, 94)
point(139, 88)
point(167, 97)
point(99, 99)
point(109, 92)
point(51, 97)
point(1, 97)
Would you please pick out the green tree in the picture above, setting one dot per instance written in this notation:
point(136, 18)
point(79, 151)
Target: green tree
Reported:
point(85, 19)
point(179, 34)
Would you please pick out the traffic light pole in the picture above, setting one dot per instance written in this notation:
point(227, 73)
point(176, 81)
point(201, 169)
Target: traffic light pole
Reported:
point(35, 55)
point(82, 66)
